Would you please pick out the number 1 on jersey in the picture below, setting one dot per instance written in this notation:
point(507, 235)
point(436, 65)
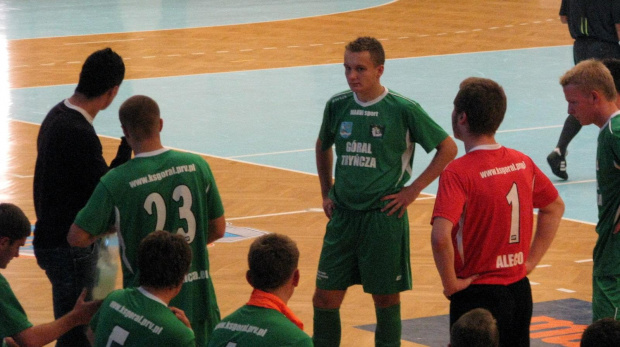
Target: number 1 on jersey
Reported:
point(513, 201)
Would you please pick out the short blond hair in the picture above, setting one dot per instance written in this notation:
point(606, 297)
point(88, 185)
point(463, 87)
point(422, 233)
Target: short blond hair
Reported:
point(590, 75)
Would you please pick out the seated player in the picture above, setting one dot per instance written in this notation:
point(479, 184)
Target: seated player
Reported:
point(141, 316)
point(266, 321)
point(15, 328)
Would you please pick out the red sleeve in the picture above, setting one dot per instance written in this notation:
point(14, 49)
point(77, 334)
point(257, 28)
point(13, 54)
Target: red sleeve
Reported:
point(451, 196)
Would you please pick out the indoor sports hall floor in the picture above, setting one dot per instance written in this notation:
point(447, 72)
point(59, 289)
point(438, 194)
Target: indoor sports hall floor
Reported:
point(245, 82)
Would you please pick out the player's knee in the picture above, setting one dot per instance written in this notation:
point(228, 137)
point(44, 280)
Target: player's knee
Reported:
point(383, 301)
point(328, 299)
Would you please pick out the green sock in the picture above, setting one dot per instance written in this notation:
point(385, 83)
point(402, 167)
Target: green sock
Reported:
point(389, 326)
point(327, 328)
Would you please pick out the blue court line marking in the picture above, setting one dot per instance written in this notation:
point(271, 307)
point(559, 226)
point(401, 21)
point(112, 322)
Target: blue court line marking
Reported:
point(38, 19)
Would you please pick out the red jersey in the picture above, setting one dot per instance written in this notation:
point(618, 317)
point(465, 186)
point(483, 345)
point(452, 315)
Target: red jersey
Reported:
point(489, 194)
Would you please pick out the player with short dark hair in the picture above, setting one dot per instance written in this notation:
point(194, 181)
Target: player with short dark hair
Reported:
point(15, 327)
point(602, 333)
point(476, 328)
point(485, 201)
point(163, 262)
point(273, 273)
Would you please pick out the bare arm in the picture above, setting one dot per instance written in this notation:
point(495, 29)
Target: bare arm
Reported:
point(618, 30)
point(324, 166)
point(549, 218)
point(446, 151)
point(78, 237)
point(43, 334)
point(90, 335)
point(443, 253)
point(180, 314)
point(217, 229)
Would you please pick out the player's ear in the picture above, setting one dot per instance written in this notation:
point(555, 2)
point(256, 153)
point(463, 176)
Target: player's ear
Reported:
point(380, 69)
point(161, 124)
point(461, 117)
point(248, 278)
point(296, 278)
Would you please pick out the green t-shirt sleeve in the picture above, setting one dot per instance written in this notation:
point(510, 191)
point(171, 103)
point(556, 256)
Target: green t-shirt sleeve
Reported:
point(13, 318)
point(424, 130)
point(615, 131)
point(97, 216)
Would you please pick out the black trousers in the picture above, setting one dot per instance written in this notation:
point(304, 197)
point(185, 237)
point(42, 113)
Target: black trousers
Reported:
point(586, 48)
point(511, 306)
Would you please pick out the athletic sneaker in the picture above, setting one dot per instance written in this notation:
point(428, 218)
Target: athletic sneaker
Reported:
point(557, 161)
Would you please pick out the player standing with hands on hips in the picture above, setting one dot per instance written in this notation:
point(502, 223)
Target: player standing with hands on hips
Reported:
point(482, 236)
point(374, 131)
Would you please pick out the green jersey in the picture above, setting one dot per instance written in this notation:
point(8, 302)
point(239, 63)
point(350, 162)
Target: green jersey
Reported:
point(12, 316)
point(253, 326)
point(161, 190)
point(374, 145)
point(135, 317)
point(607, 248)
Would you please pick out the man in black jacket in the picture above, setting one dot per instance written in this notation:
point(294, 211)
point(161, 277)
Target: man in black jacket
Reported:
point(69, 165)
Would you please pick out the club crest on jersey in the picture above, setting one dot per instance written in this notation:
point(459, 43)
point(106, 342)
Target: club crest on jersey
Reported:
point(346, 128)
point(377, 130)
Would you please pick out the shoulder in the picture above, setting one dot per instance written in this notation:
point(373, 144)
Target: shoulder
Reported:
point(614, 125)
point(461, 163)
point(118, 294)
point(518, 154)
point(5, 288)
point(407, 107)
point(400, 98)
point(186, 156)
point(63, 116)
point(347, 94)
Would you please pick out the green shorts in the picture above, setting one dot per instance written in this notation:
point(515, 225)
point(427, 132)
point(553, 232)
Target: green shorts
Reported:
point(368, 248)
point(605, 297)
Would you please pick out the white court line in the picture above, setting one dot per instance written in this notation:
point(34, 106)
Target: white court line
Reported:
point(530, 129)
point(107, 41)
point(584, 261)
point(312, 149)
point(574, 182)
point(23, 176)
point(270, 153)
point(566, 290)
point(277, 214)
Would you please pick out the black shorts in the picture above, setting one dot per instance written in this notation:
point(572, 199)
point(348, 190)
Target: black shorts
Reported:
point(586, 48)
point(511, 306)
